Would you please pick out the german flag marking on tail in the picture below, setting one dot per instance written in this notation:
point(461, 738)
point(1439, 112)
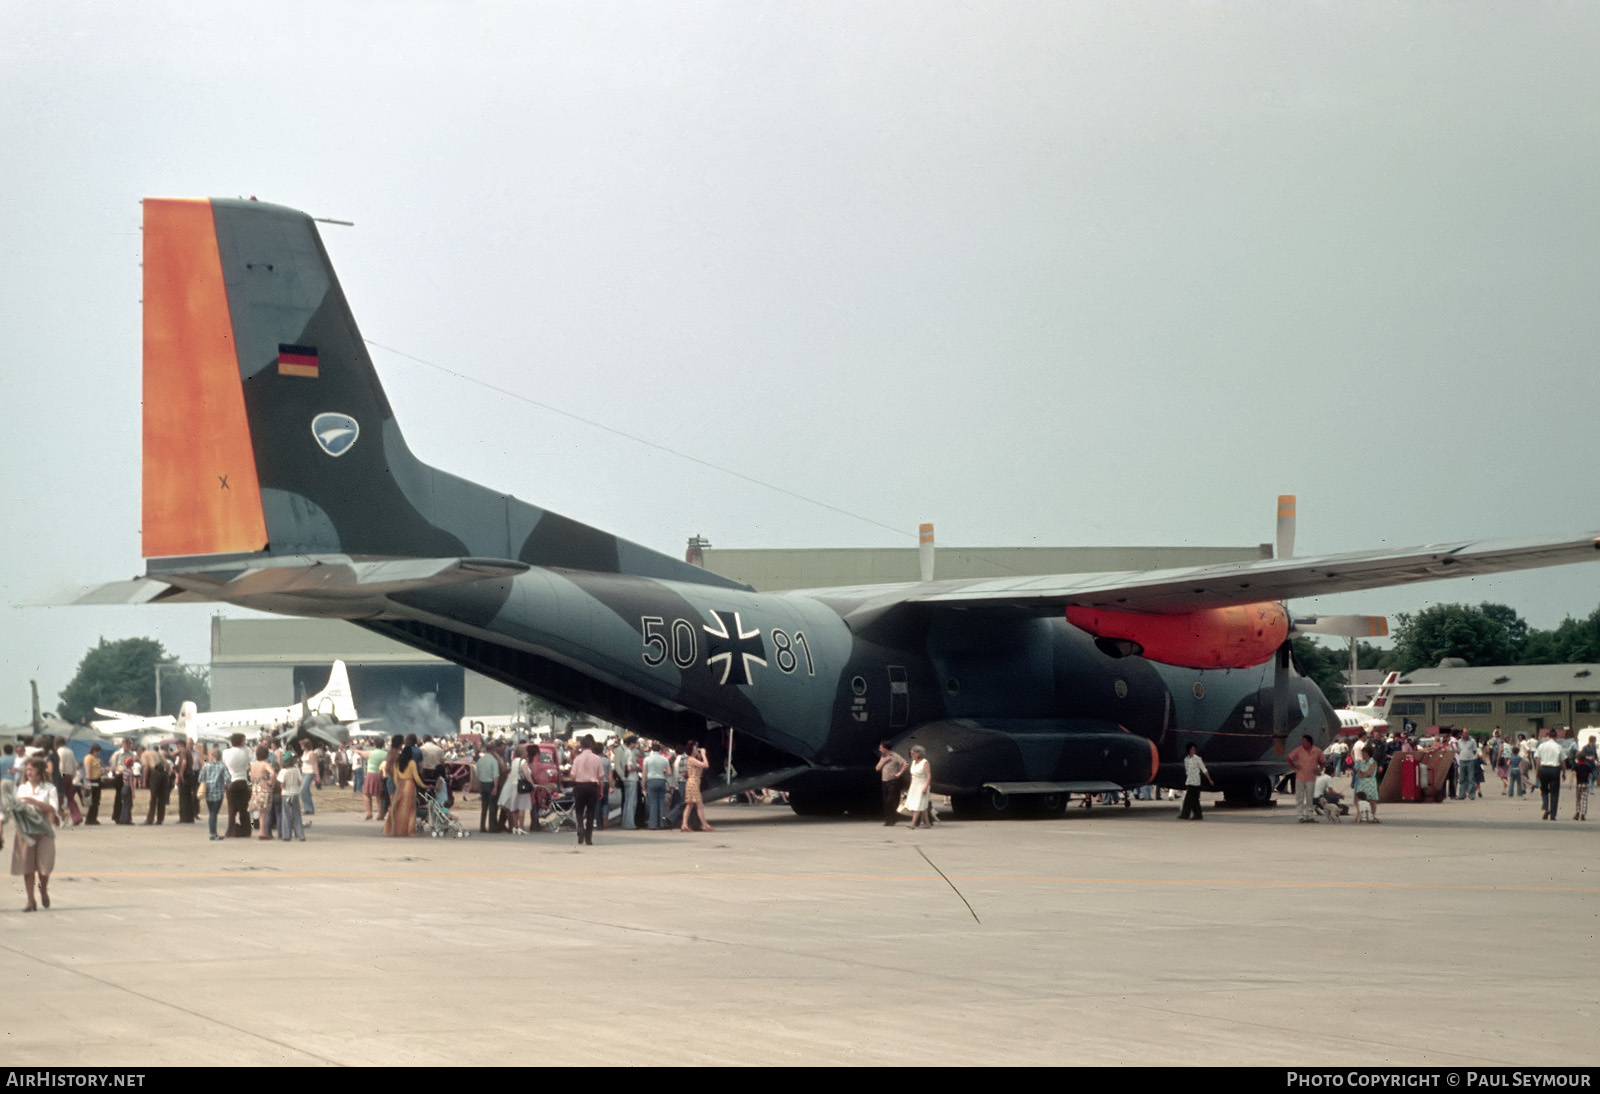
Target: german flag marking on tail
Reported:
point(297, 361)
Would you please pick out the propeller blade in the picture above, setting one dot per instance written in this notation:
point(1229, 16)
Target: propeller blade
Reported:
point(1343, 626)
point(1286, 510)
point(925, 551)
point(1280, 697)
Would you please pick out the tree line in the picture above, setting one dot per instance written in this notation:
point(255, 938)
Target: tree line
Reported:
point(121, 676)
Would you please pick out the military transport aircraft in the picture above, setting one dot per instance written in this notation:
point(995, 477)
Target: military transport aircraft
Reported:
point(276, 477)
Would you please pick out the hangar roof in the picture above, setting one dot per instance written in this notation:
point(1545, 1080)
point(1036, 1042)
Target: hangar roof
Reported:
point(1503, 679)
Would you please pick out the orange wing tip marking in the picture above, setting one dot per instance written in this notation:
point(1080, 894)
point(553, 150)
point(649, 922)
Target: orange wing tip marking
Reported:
point(201, 493)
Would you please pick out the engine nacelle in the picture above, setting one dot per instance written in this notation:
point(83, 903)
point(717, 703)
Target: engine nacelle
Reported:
point(1235, 637)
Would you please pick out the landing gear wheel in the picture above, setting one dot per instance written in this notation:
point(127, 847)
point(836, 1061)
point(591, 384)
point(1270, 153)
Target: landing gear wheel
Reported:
point(986, 804)
point(1050, 805)
point(1255, 794)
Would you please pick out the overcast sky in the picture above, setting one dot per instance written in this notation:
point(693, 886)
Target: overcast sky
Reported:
point(1046, 274)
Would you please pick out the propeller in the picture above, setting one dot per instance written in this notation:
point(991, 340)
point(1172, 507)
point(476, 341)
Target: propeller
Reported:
point(925, 551)
point(1342, 626)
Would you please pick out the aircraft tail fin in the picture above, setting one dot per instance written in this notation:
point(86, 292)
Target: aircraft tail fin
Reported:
point(1379, 703)
point(266, 428)
point(335, 699)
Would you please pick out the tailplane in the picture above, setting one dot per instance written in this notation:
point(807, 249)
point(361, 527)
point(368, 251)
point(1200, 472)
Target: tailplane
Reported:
point(266, 430)
point(1378, 705)
point(335, 699)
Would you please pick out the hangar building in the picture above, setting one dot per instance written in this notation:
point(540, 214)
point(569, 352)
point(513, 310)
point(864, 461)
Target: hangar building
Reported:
point(1512, 698)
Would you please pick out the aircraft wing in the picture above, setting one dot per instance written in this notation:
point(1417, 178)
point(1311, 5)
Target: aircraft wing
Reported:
point(1183, 590)
point(131, 723)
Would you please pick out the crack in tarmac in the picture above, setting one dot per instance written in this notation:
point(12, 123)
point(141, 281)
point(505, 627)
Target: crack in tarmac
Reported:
point(165, 1003)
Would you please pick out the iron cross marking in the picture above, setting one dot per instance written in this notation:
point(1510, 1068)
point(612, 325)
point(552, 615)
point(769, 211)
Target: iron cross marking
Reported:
point(734, 647)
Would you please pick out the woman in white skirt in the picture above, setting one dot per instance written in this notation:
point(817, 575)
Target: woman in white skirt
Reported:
point(35, 856)
point(918, 799)
point(513, 799)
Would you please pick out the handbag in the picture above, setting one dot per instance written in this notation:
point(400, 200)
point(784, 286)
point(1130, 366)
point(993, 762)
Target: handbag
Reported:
point(523, 785)
point(901, 808)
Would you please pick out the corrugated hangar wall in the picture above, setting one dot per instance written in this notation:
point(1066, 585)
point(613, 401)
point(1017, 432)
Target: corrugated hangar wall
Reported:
point(262, 662)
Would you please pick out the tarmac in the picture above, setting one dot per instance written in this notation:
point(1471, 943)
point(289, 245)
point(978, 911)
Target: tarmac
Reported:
point(1456, 935)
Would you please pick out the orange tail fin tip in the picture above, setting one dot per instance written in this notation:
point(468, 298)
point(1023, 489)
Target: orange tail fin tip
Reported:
point(201, 492)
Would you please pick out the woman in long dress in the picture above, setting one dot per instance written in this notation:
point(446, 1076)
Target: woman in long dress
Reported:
point(33, 848)
point(402, 768)
point(695, 759)
point(917, 798)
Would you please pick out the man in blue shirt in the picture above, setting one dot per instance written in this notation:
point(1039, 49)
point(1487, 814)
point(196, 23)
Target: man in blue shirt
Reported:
point(489, 769)
point(655, 785)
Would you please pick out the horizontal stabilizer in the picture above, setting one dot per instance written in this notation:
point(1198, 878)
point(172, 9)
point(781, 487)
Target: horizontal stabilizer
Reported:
point(336, 577)
point(138, 590)
point(104, 713)
point(303, 577)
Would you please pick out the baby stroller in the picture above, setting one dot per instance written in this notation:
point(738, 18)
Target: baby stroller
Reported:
point(434, 816)
point(556, 809)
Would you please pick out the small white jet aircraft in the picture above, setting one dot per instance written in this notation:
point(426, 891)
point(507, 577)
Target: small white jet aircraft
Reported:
point(1371, 715)
point(332, 702)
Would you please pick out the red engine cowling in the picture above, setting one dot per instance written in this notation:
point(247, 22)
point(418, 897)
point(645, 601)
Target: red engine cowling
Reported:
point(1236, 637)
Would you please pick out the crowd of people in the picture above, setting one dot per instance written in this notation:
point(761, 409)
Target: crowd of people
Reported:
point(1556, 760)
point(520, 782)
point(264, 789)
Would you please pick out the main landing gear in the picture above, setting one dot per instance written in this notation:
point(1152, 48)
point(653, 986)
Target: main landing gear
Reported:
point(1255, 794)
